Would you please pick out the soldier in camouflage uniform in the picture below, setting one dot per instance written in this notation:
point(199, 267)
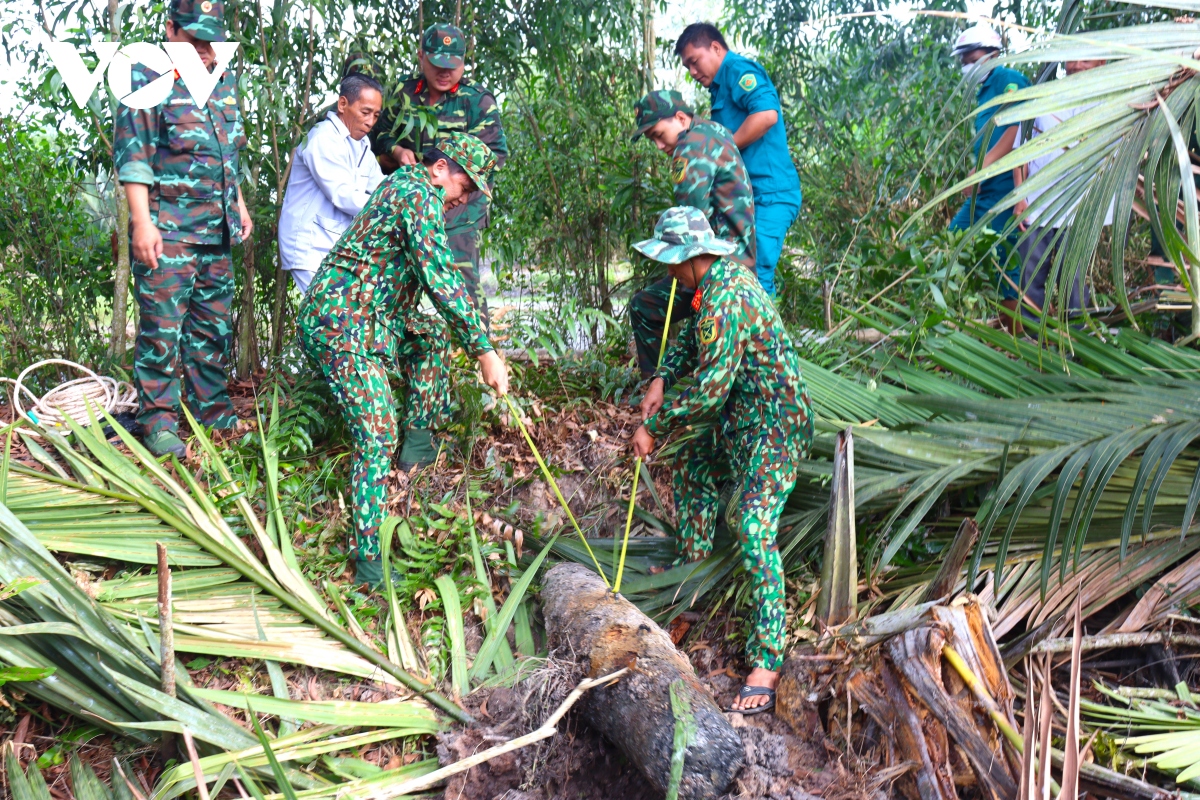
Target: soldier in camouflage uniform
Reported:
point(459, 106)
point(708, 174)
point(361, 316)
point(179, 166)
point(749, 403)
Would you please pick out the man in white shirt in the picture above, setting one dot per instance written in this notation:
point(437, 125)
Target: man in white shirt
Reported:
point(333, 174)
point(1045, 222)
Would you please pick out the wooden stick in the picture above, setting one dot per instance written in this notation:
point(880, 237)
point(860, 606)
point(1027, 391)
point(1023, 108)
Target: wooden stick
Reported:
point(166, 631)
point(1112, 640)
point(197, 770)
point(548, 729)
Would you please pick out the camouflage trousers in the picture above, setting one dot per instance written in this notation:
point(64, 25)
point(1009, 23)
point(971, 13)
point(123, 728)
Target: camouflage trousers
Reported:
point(464, 248)
point(359, 383)
point(185, 332)
point(647, 313)
point(762, 470)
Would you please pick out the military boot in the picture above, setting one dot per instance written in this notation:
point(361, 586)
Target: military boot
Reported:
point(420, 449)
point(162, 443)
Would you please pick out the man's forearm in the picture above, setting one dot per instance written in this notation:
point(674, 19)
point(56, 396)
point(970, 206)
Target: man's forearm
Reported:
point(754, 127)
point(138, 195)
point(1003, 147)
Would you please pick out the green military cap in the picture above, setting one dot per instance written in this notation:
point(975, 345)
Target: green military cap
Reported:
point(204, 19)
point(655, 106)
point(445, 46)
point(683, 232)
point(472, 155)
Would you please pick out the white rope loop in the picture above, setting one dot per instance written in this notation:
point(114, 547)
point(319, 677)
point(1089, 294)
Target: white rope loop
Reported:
point(72, 398)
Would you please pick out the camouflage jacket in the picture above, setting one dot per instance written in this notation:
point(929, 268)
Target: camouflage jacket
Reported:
point(708, 173)
point(465, 108)
point(366, 294)
point(745, 368)
point(188, 156)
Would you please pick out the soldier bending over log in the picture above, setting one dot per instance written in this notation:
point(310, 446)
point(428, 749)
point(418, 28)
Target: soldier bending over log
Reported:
point(750, 404)
point(361, 315)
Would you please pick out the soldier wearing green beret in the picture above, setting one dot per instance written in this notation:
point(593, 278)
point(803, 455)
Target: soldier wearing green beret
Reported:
point(748, 409)
point(361, 317)
point(460, 107)
point(708, 174)
point(178, 163)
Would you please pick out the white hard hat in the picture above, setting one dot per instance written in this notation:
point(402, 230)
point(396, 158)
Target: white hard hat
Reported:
point(977, 37)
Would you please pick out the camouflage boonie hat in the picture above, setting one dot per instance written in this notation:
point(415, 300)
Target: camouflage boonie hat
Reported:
point(683, 232)
point(472, 155)
point(655, 106)
point(204, 19)
point(445, 46)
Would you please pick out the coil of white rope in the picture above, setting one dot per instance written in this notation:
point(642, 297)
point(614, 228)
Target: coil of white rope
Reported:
point(72, 398)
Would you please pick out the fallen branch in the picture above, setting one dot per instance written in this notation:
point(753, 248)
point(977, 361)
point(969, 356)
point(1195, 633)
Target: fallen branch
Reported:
point(548, 729)
point(1111, 640)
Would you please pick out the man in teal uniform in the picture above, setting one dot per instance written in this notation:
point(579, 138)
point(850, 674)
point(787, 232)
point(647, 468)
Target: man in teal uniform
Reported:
point(178, 163)
point(708, 174)
point(460, 107)
point(745, 101)
point(749, 409)
point(976, 48)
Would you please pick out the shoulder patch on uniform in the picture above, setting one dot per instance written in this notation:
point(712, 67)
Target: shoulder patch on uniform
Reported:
point(708, 330)
point(1012, 87)
point(748, 82)
point(678, 169)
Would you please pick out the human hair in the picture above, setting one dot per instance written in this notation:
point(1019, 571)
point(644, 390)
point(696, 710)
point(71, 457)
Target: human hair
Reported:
point(434, 155)
point(699, 34)
point(352, 86)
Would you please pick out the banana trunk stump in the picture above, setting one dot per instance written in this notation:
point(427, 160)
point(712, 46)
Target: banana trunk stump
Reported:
point(606, 633)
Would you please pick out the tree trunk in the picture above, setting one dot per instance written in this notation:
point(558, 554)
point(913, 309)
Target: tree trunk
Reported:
point(120, 306)
point(247, 360)
point(606, 632)
point(120, 309)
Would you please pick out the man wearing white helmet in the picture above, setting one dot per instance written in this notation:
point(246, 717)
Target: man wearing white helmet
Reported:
point(976, 48)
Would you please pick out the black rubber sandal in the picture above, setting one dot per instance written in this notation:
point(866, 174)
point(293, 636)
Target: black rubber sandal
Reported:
point(754, 691)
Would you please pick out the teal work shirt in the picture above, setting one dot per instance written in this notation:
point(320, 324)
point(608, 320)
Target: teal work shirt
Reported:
point(1001, 80)
point(741, 88)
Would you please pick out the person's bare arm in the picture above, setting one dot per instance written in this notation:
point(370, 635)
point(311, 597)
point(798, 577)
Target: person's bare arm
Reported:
point(754, 127)
point(244, 214)
point(1021, 205)
point(1003, 146)
point(146, 240)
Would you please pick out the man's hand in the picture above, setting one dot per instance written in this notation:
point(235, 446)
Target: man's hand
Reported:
point(247, 222)
point(1020, 208)
point(147, 243)
point(404, 156)
point(495, 374)
point(642, 442)
point(653, 400)
point(970, 190)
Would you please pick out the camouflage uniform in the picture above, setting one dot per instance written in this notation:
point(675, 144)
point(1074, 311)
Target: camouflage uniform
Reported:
point(750, 403)
point(188, 156)
point(466, 108)
point(708, 174)
point(361, 315)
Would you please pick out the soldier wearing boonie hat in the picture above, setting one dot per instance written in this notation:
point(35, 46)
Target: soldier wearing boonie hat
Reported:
point(749, 408)
point(179, 165)
point(460, 107)
point(361, 318)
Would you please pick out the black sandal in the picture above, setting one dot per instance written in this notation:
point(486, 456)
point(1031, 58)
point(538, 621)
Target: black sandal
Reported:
point(754, 691)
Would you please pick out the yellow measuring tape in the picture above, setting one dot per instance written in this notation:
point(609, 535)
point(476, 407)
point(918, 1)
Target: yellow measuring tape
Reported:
point(553, 485)
point(637, 464)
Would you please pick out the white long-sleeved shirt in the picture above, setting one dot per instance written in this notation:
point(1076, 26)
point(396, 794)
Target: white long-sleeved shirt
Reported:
point(1041, 125)
point(332, 177)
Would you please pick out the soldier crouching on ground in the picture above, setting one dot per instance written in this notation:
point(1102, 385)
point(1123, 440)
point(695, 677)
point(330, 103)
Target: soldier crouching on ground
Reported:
point(179, 165)
point(749, 403)
point(361, 316)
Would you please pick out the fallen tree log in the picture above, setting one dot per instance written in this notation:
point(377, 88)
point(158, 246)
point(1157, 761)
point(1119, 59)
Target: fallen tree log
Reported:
point(604, 633)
